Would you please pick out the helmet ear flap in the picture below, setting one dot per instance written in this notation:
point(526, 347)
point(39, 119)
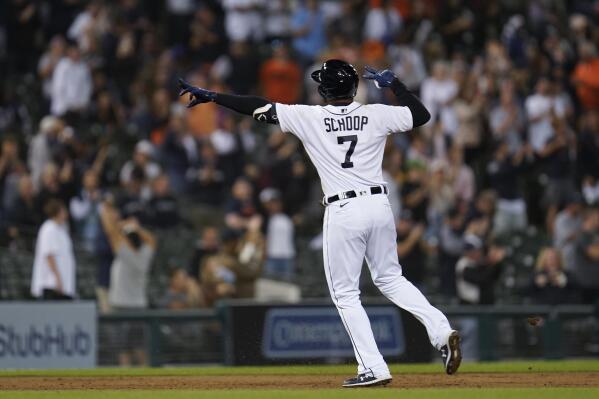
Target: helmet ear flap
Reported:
point(316, 76)
point(322, 92)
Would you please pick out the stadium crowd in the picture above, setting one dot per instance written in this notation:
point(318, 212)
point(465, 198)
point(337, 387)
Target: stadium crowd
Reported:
point(91, 121)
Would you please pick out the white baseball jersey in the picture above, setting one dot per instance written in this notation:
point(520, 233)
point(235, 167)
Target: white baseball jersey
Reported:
point(345, 143)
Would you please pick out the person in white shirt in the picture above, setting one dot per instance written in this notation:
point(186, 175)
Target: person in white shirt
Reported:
point(48, 61)
point(382, 23)
point(243, 20)
point(71, 84)
point(540, 108)
point(54, 263)
point(280, 233)
point(438, 90)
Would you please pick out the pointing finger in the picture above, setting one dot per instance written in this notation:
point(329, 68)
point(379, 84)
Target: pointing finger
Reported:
point(370, 69)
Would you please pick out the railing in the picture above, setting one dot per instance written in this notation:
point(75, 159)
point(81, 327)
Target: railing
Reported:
point(153, 319)
point(487, 318)
point(550, 323)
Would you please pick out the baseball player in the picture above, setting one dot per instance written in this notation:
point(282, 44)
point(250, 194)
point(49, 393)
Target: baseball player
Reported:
point(345, 140)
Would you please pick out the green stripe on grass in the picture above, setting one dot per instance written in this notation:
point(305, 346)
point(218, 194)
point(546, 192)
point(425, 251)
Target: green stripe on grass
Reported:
point(380, 393)
point(495, 367)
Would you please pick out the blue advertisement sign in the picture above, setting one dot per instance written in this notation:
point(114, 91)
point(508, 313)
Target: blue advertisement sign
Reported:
point(42, 335)
point(317, 332)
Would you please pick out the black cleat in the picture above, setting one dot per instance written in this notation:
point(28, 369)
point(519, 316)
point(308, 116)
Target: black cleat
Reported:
point(366, 380)
point(451, 353)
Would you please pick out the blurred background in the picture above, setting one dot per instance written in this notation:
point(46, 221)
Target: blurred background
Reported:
point(168, 212)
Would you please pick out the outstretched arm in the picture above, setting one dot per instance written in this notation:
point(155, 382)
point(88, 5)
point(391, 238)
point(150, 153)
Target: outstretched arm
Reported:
point(258, 107)
point(405, 97)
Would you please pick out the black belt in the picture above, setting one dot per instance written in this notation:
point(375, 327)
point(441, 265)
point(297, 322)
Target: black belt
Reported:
point(354, 194)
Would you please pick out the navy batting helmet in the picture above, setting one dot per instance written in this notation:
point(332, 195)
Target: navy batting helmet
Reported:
point(338, 79)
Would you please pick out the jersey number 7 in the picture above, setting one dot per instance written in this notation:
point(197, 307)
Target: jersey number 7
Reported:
point(353, 139)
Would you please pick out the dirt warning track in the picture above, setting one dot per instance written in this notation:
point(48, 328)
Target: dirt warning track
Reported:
point(463, 380)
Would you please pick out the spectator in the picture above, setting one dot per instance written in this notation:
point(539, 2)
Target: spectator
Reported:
point(232, 272)
point(24, 216)
point(142, 158)
point(566, 229)
point(183, 292)
point(414, 192)
point(241, 208)
point(207, 39)
point(179, 152)
point(451, 246)
point(163, 208)
point(239, 68)
point(243, 21)
point(467, 107)
point(57, 183)
point(132, 203)
point(133, 248)
point(84, 211)
point(11, 169)
point(585, 76)
point(206, 180)
point(540, 108)
point(281, 77)
point(71, 85)
point(550, 283)
point(54, 264)
point(178, 14)
point(461, 176)
point(383, 22)
point(226, 141)
point(441, 194)
point(438, 90)
point(44, 146)
point(48, 62)
point(411, 248)
point(250, 259)
point(588, 146)
point(209, 244)
point(477, 273)
point(280, 236)
point(22, 21)
point(308, 30)
point(277, 20)
point(586, 266)
point(557, 165)
point(87, 24)
point(507, 118)
point(504, 172)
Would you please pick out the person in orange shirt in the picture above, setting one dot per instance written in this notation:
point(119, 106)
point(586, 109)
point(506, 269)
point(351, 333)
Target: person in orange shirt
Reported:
point(586, 77)
point(281, 77)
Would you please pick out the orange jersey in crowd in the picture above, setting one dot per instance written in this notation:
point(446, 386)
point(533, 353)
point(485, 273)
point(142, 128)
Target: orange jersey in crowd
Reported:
point(281, 81)
point(586, 77)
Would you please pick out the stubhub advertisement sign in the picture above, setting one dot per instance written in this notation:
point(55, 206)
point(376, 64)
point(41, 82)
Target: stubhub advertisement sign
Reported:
point(317, 332)
point(47, 335)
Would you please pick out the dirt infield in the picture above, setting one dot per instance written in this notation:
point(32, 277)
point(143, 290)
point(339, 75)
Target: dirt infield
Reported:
point(464, 380)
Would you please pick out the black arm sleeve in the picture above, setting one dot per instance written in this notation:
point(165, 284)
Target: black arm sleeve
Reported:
point(260, 108)
point(420, 114)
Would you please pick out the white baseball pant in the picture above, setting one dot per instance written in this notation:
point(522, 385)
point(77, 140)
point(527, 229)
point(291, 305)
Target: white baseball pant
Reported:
point(364, 227)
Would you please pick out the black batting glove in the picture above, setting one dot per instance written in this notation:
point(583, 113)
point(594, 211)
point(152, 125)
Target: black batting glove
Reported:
point(197, 95)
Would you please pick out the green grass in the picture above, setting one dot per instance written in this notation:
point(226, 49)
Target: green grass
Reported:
point(386, 393)
point(510, 393)
point(491, 367)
